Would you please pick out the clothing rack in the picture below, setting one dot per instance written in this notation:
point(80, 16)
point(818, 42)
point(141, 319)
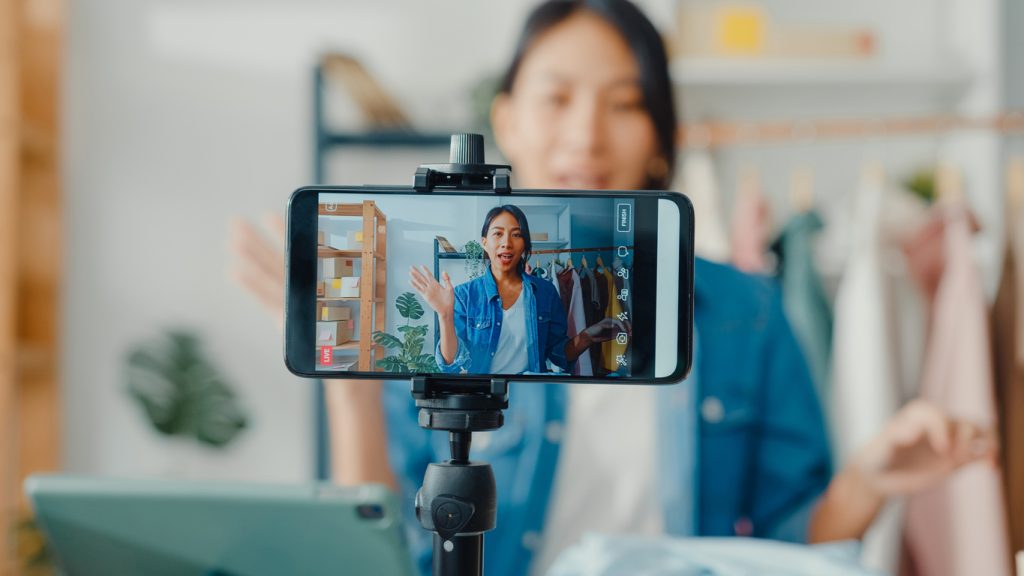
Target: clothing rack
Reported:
point(712, 134)
point(567, 250)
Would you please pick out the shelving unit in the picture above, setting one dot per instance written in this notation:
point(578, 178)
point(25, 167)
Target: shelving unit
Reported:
point(373, 279)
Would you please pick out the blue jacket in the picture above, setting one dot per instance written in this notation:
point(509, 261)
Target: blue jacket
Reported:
point(757, 466)
point(478, 316)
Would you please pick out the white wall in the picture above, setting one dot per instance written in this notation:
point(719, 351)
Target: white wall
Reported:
point(180, 114)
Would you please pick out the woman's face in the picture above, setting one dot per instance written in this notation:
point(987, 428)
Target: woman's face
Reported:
point(575, 117)
point(504, 243)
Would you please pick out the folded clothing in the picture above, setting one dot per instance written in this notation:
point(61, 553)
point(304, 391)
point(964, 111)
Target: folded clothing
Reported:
point(622, 555)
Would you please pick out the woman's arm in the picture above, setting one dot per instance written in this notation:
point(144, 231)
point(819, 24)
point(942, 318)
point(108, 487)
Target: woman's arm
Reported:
point(602, 331)
point(358, 433)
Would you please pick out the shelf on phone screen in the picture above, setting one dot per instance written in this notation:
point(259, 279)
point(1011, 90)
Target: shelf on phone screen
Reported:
point(328, 252)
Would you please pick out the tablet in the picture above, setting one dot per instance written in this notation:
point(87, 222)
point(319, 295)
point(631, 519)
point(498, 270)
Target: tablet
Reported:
point(154, 527)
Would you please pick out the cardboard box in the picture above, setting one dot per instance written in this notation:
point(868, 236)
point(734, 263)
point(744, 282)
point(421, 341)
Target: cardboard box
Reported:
point(337, 267)
point(539, 236)
point(355, 240)
point(350, 287)
point(334, 313)
point(321, 237)
point(334, 333)
point(342, 287)
point(320, 290)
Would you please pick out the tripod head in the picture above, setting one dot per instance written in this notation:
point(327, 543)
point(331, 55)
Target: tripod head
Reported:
point(458, 499)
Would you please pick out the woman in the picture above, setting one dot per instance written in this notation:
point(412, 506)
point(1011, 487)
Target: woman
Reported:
point(738, 449)
point(518, 324)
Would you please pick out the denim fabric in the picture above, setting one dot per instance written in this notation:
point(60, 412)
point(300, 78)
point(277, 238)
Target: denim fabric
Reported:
point(762, 456)
point(478, 317)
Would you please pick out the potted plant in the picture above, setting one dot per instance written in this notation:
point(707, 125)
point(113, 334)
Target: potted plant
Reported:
point(408, 356)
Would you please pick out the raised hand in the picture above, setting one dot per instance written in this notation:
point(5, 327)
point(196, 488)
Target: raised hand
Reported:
point(439, 296)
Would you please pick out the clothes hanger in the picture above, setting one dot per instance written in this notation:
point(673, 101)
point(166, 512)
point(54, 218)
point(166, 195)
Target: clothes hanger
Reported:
point(1015, 185)
point(583, 264)
point(801, 189)
point(948, 184)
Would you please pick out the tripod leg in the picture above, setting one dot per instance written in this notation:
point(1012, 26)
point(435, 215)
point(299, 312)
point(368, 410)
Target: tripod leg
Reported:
point(460, 556)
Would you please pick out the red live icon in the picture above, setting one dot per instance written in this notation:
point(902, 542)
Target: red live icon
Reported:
point(326, 355)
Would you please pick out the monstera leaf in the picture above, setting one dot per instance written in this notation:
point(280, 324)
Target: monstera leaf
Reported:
point(408, 354)
point(181, 392)
point(409, 307)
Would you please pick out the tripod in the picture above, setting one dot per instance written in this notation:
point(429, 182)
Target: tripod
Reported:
point(458, 499)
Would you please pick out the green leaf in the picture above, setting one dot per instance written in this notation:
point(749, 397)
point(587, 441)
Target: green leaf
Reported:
point(427, 363)
point(387, 340)
point(392, 364)
point(409, 306)
point(181, 392)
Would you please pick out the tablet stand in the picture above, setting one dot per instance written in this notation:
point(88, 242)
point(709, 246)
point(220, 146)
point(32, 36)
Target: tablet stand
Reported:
point(458, 499)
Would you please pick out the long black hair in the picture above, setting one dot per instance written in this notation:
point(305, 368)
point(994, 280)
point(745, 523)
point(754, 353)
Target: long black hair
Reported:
point(524, 229)
point(646, 45)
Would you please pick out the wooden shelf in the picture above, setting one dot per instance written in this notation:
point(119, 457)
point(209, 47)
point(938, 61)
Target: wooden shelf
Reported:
point(328, 252)
point(751, 72)
point(339, 299)
point(350, 346)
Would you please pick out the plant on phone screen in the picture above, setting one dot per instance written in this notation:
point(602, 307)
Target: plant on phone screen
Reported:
point(408, 356)
point(475, 263)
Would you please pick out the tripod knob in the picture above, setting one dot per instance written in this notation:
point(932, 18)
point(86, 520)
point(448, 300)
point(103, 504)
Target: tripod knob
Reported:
point(467, 149)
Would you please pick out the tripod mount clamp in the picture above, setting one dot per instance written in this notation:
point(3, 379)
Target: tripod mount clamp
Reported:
point(466, 169)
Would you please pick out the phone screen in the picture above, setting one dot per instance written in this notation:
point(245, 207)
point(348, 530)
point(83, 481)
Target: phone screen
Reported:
point(533, 284)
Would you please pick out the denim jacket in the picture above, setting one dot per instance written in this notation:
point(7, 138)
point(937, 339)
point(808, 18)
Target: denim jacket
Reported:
point(478, 317)
point(754, 461)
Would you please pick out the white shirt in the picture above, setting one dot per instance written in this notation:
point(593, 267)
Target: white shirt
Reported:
point(511, 355)
point(605, 479)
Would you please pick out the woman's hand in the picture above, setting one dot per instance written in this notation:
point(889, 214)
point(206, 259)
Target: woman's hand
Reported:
point(440, 297)
point(259, 262)
point(920, 446)
point(607, 329)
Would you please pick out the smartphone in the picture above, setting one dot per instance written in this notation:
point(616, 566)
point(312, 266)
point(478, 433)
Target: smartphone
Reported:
point(544, 285)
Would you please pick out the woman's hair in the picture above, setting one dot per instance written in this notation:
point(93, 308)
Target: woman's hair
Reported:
point(524, 229)
point(647, 48)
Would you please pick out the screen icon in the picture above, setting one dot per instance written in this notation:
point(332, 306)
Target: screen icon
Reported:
point(624, 316)
point(331, 207)
point(326, 356)
point(623, 251)
point(623, 273)
point(621, 360)
point(624, 217)
point(622, 338)
point(623, 294)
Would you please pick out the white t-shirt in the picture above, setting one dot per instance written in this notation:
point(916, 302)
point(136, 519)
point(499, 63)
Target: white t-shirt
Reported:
point(605, 479)
point(511, 355)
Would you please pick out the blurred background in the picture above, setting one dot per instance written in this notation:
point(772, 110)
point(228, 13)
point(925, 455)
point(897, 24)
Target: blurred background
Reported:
point(133, 132)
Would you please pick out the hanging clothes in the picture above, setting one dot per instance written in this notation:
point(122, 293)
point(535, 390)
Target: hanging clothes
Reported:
point(701, 186)
point(864, 392)
point(807, 306)
point(957, 528)
point(592, 313)
point(1008, 358)
point(751, 226)
point(576, 318)
point(864, 389)
point(612, 349)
